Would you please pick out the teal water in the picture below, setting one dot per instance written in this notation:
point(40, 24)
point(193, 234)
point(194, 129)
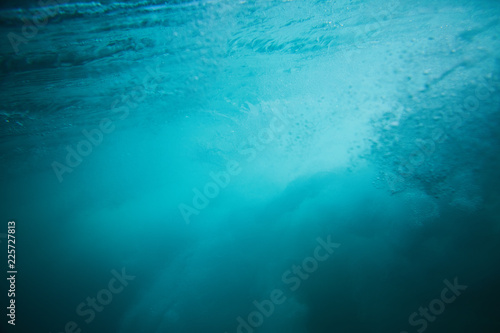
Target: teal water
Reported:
point(251, 166)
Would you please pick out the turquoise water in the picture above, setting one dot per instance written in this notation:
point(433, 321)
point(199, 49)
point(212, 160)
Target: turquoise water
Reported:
point(251, 166)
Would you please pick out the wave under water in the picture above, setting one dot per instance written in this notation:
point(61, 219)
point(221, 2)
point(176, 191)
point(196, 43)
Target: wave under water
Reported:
point(251, 166)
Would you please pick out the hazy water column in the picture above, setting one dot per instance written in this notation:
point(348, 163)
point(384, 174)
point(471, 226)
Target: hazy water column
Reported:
point(365, 124)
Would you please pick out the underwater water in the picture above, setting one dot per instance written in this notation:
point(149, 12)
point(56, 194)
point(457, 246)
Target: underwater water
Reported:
point(250, 166)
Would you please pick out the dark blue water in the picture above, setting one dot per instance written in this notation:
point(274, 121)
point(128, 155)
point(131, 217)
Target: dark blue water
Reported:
point(251, 166)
